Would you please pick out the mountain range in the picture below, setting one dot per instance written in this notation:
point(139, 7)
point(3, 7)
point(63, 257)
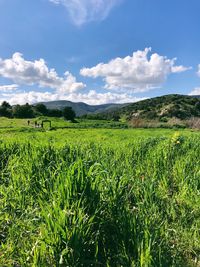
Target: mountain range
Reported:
point(81, 108)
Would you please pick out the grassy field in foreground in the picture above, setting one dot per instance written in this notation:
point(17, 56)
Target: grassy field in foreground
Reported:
point(99, 197)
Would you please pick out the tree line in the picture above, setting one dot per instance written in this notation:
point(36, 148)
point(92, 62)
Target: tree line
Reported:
point(31, 111)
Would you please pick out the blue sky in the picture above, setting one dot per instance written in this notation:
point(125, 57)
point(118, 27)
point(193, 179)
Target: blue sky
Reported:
point(98, 51)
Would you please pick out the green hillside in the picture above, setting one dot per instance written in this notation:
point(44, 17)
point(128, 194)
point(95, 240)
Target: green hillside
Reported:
point(164, 107)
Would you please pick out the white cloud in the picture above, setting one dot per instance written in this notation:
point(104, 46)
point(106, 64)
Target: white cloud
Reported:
point(8, 88)
point(83, 11)
point(29, 97)
point(92, 97)
point(196, 91)
point(137, 73)
point(36, 72)
point(178, 69)
point(24, 72)
point(198, 71)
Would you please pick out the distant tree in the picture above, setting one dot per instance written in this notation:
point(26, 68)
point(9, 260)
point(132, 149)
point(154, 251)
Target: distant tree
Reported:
point(69, 114)
point(151, 115)
point(41, 108)
point(116, 117)
point(23, 111)
point(54, 113)
point(178, 113)
point(5, 110)
point(6, 105)
point(197, 106)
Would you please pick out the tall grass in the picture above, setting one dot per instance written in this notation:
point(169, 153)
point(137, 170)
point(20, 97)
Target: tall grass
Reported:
point(136, 204)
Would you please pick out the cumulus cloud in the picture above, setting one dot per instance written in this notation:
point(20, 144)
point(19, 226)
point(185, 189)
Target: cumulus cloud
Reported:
point(196, 91)
point(137, 73)
point(178, 69)
point(8, 88)
point(36, 72)
point(92, 97)
point(198, 71)
point(30, 97)
point(83, 11)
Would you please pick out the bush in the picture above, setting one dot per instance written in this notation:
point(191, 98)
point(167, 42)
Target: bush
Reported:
point(68, 113)
point(41, 108)
point(54, 113)
point(24, 111)
point(163, 119)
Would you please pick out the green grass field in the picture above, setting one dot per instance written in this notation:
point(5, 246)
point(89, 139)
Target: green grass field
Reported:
point(83, 196)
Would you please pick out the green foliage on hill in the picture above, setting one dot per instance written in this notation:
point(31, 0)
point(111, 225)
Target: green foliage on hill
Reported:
point(168, 106)
point(161, 108)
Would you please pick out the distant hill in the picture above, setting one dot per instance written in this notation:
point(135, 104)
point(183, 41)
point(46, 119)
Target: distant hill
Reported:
point(81, 108)
point(197, 96)
point(168, 106)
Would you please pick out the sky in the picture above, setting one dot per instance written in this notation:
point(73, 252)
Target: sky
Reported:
point(98, 51)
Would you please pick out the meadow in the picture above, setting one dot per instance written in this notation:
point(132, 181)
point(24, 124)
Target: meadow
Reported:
point(94, 196)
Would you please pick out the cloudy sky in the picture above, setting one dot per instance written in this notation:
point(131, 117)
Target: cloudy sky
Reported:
point(98, 51)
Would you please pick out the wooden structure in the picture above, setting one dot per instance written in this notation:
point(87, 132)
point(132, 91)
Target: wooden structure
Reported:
point(44, 121)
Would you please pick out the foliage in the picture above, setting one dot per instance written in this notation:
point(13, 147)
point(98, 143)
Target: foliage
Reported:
point(54, 113)
point(23, 111)
point(168, 106)
point(41, 109)
point(90, 202)
point(6, 105)
point(31, 111)
point(68, 114)
point(5, 110)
